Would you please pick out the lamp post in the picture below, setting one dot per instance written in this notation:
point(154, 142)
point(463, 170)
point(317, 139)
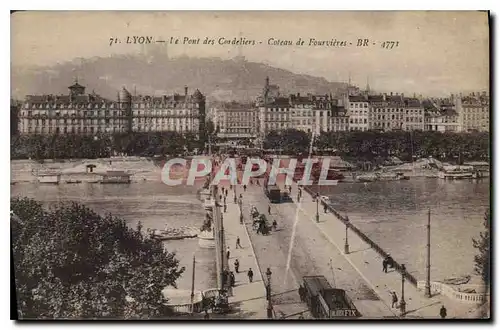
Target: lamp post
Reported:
point(317, 207)
point(402, 304)
point(269, 304)
point(346, 245)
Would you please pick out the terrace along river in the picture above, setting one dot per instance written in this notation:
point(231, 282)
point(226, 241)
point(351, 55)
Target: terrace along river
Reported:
point(394, 215)
point(153, 203)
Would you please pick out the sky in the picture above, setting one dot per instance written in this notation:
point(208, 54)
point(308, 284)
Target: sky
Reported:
point(437, 52)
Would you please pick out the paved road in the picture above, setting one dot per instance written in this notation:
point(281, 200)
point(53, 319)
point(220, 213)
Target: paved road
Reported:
point(311, 254)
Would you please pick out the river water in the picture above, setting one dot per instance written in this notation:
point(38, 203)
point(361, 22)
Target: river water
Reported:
point(153, 203)
point(394, 215)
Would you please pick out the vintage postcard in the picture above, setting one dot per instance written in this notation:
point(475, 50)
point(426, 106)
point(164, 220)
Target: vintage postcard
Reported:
point(250, 165)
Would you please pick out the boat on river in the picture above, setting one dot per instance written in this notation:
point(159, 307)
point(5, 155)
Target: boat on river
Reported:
point(456, 173)
point(49, 176)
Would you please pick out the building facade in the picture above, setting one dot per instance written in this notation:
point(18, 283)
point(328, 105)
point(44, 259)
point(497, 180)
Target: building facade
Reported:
point(440, 115)
point(274, 110)
point(235, 120)
point(473, 111)
point(358, 110)
point(14, 117)
point(395, 112)
point(81, 113)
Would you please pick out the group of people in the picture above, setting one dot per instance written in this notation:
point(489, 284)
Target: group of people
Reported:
point(387, 262)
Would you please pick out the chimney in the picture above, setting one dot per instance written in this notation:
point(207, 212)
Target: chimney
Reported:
point(185, 90)
point(402, 95)
point(391, 93)
point(298, 94)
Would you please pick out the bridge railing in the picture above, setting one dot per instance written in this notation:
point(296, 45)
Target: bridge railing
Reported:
point(409, 277)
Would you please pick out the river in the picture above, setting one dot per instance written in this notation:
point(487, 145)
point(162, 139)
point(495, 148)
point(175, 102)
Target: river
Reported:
point(394, 215)
point(153, 203)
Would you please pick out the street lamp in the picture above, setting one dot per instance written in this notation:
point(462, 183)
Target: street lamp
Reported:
point(346, 245)
point(402, 304)
point(269, 304)
point(317, 207)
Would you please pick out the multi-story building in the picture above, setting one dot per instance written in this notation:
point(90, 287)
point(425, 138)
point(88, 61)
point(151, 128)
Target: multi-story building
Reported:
point(473, 111)
point(274, 110)
point(14, 117)
point(308, 113)
point(339, 120)
point(358, 110)
point(181, 113)
point(414, 116)
point(440, 115)
point(395, 112)
point(81, 113)
point(302, 112)
point(235, 120)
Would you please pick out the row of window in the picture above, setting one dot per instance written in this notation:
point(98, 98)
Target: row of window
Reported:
point(166, 106)
point(72, 121)
point(78, 130)
point(109, 105)
point(397, 110)
point(237, 130)
point(106, 113)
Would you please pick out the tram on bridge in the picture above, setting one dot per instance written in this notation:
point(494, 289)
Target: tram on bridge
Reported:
point(324, 301)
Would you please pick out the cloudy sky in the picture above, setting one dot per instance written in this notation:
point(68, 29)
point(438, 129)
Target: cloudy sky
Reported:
point(438, 52)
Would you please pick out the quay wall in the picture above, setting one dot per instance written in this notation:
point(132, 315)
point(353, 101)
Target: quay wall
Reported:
point(410, 278)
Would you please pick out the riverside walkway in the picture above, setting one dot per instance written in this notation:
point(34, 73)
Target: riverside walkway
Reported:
point(368, 264)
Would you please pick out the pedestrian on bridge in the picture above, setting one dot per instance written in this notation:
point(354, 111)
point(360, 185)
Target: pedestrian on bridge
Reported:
point(226, 192)
point(238, 245)
point(394, 300)
point(269, 209)
point(384, 265)
point(325, 208)
point(244, 187)
point(442, 312)
point(228, 253)
point(250, 275)
point(236, 266)
point(225, 207)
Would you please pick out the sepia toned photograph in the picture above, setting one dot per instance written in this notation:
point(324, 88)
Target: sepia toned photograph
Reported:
point(250, 165)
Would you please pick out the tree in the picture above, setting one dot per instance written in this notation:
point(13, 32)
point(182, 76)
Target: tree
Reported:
point(70, 262)
point(482, 259)
point(482, 244)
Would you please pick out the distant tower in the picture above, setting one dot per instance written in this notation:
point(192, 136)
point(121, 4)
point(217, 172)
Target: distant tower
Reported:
point(349, 78)
point(125, 104)
point(76, 89)
point(368, 84)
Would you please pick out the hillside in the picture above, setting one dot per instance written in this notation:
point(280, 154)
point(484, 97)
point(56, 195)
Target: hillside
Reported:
point(218, 79)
